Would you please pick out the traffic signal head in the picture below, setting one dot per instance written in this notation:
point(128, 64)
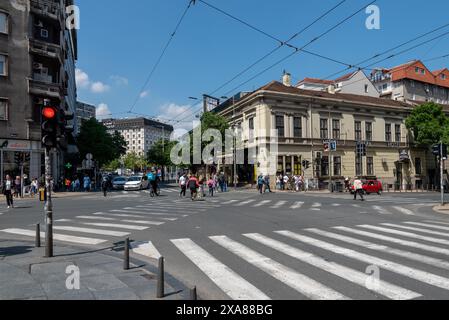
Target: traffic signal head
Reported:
point(49, 126)
point(436, 150)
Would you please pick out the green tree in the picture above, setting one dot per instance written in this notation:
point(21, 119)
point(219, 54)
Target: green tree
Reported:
point(113, 165)
point(119, 143)
point(131, 161)
point(95, 139)
point(159, 154)
point(429, 124)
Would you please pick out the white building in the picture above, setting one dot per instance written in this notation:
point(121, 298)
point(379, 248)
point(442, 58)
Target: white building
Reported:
point(84, 112)
point(140, 133)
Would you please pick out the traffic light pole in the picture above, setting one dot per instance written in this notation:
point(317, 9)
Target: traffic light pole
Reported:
point(441, 174)
point(48, 207)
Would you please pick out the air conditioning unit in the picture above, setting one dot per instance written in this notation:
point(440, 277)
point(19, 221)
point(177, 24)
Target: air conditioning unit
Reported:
point(37, 65)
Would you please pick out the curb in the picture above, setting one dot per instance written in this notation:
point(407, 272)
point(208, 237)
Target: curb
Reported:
point(441, 209)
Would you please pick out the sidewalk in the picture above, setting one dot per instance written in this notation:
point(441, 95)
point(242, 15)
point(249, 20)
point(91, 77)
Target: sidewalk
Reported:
point(26, 275)
point(442, 209)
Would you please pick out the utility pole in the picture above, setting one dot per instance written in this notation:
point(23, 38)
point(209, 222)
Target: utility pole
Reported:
point(441, 173)
point(48, 207)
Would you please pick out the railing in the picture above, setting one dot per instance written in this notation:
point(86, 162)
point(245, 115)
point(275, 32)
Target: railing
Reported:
point(39, 87)
point(45, 48)
point(46, 7)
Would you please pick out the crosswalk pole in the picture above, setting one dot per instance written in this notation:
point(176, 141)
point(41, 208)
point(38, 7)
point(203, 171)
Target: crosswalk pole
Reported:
point(160, 279)
point(193, 295)
point(38, 235)
point(126, 259)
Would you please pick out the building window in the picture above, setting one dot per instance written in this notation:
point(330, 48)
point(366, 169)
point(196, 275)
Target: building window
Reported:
point(370, 166)
point(3, 23)
point(297, 127)
point(412, 83)
point(369, 131)
point(418, 166)
point(336, 129)
point(397, 133)
point(324, 129)
point(280, 126)
point(358, 166)
point(443, 77)
point(325, 166)
point(358, 130)
point(388, 132)
point(337, 166)
point(3, 109)
point(366, 88)
point(3, 65)
point(251, 123)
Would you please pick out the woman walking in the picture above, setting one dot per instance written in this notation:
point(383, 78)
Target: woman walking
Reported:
point(8, 190)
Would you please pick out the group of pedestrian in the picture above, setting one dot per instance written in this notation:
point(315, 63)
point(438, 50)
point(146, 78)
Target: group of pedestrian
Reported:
point(263, 184)
point(293, 182)
point(198, 185)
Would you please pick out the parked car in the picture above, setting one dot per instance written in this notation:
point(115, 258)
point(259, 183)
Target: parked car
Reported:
point(370, 185)
point(118, 183)
point(137, 183)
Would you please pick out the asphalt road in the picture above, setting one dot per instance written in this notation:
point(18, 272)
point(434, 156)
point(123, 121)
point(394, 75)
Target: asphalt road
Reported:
point(242, 245)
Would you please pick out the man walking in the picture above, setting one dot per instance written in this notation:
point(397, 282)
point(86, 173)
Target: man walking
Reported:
point(260, 183)
point(183, 185)
point(267, 183)
point(358, 188)
point(7, 190)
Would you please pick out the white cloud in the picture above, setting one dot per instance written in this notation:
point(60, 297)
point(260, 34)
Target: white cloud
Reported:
point(99, 87)
point(143, 94)
point(177, 112)
point(103, 111)
point(119, 80)
point(82, 78)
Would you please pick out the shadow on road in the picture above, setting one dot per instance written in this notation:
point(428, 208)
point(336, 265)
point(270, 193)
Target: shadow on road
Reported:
point(13, 251)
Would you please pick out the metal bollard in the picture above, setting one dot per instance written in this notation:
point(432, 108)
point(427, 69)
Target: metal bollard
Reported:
point(38, 235)
point(193, 295)
point(126, 258)
point(160, 279)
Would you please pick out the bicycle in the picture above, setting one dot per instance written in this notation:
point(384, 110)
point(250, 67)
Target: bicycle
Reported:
point(153, 193)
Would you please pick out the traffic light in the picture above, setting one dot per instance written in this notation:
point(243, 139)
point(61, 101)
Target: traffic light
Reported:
point(445, 151)
point(49, 126)
point(64, 129)
point(306, 164)
point(436, 150)
point(326, 147)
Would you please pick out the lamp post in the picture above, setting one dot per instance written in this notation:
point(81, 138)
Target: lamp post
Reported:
point(4, 145)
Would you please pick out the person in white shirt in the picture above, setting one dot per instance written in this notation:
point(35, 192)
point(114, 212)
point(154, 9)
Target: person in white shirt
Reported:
point(358, 188)
point(8, 189)
point(183, 185)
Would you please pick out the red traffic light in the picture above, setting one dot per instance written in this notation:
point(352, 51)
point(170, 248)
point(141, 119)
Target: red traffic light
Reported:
point(49, 112)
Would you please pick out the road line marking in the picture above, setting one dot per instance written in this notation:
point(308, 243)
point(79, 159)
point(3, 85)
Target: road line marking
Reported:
point(301, 283)
point(146, 249)
point(56, 236)
point(439, 222)
point(437, 233)
point(316, 205)
point(382, 248)
point(401, 242)
point(95, 218)
point(297, 205)
point(92, 231)
point(261, 203)
point(145, 213)
point(278, 204)
point(244, 203)
point(336, 204)
point(119, 226)
point(63, 220)
point(386, 289)
point(406, 234)
point(226, 279)
point(409, 272)
point(381, 210)
point(428, 225)
point(405, 211)
point(154, 223)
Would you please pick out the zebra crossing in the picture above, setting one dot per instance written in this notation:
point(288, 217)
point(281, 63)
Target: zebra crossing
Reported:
point(344, 247)
point(102, 227)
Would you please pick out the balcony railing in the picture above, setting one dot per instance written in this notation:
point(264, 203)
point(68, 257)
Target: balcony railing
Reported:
point(44, 88)
point(46, 49)
point(47, 8)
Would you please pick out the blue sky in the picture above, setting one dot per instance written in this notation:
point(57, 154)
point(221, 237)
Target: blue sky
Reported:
point(119, 42)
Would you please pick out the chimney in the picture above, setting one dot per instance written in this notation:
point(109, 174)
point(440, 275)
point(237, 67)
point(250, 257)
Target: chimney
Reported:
point(331, 89)
point(287, 79)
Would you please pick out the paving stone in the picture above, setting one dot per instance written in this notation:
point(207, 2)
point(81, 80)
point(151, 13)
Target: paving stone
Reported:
point(103, 282)
point(116, 294)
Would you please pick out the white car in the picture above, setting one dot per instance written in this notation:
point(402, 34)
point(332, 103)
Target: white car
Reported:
point(136, 183)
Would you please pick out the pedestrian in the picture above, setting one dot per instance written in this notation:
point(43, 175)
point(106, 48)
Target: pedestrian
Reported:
point(16, 187)
point(86, 183)
point(358, 188)
point(260, 183)
point(68, 183)
point(183, 185)
point(286, 180)
point(34, 187)
point(211, 185)
point(267, 183)
point(8, 191)
point(193, 186)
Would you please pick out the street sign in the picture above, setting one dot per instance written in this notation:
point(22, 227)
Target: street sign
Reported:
point(68, 166)
point(333, 146)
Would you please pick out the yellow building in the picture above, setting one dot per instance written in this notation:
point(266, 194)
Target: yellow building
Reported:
point(305, 120)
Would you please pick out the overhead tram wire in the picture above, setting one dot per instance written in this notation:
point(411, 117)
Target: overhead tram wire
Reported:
point(282, 43)
point(296, 51)
point(357, 65)
point(164, 50)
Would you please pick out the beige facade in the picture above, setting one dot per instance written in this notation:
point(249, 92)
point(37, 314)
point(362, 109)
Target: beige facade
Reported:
point(306, 119)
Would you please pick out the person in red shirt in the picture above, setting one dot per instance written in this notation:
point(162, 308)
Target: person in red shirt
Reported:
point(193, 184)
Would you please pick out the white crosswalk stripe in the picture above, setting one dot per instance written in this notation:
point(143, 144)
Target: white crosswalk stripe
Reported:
point(278, 204)
point(146, 249)
point(438, 222)
point(244, 203)
point(301, 283)
point(428, 225)
point(404, 210)
point(437, 233)
point(262, 203)
point(92, 231)
point(230, 282)
point(56, 236)
point(297, 205)
point(114, 225)
point(386, 289)
point(381, 210)
point(413, 273)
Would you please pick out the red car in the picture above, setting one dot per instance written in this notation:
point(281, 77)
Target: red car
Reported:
point(371, 186)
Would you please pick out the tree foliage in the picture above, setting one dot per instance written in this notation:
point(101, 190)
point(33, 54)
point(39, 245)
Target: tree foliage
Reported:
point(95, 139)
point(428, 124)
point(159, 154)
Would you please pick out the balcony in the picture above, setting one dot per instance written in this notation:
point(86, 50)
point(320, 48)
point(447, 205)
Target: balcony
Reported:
point(45, 49)
point(47, 8)
point(43, 88)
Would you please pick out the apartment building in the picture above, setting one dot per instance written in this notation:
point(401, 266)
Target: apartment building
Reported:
point(305, 119)
point(140, 133)
point(37, 63)
point(413, 82)
point(353, 83)
point(84, 112)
